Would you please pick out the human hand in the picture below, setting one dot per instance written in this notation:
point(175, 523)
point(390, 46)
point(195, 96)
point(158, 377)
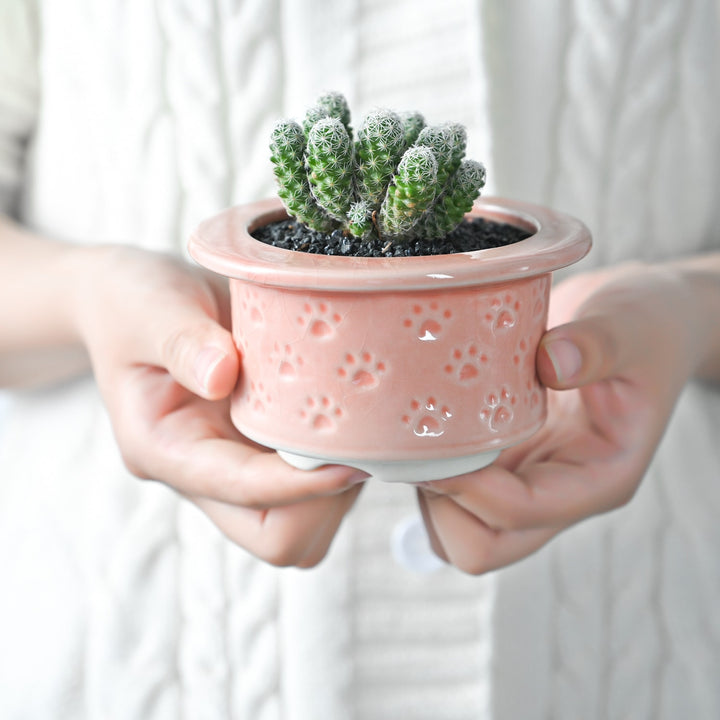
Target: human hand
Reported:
point(157, 333)
point(623, 344)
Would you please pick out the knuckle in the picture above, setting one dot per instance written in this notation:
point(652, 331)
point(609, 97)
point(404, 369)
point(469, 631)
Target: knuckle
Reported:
point(133, 465)
point(313, 560)
point(474, 565)
point(172, 348)
point(502, 518)
point(280, 553)
point(625, 496)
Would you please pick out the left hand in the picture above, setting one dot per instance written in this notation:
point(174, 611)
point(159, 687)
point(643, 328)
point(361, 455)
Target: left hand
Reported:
point(624, 346)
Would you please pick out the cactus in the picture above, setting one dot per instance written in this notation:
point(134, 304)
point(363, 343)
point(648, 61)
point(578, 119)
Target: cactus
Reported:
point(410, 193)
point(400, 180)
point(287, 148)
point(460, 193)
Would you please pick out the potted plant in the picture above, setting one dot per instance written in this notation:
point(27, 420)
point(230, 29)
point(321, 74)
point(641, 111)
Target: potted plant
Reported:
point(370, 337)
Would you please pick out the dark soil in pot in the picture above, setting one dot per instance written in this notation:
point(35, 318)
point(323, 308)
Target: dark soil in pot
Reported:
point(470, 235)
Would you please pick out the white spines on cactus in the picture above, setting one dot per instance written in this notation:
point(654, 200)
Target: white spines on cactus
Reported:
point(379, 147)
point(385, 183)
point(330, 104)
point(411, 191)
point(413, 122)
point(329, 160)
point(448, 210)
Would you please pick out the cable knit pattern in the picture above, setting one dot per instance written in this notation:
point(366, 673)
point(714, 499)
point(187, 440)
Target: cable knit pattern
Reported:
point(219, 55)
point(609, 667)
point(203, 654)
point(18, 101)
point(627, 599)
point(627, 68)
point(252, 638)
point(405, 664)
point(197, 96)
point(125, 601)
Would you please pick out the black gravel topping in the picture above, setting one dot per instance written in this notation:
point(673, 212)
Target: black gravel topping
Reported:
point(474, 234)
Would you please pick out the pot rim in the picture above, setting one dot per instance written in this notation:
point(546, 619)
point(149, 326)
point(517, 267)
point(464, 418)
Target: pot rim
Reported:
point(224, 244)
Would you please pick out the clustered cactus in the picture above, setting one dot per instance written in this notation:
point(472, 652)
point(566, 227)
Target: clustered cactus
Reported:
point(399, 180)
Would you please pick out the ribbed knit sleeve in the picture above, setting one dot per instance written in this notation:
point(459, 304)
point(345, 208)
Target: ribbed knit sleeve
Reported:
point(18, 92)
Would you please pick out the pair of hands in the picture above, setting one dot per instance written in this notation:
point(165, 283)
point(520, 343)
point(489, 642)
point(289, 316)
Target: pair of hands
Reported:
point(618, 355)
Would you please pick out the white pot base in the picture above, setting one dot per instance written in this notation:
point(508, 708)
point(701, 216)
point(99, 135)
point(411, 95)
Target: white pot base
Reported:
point(408, 471)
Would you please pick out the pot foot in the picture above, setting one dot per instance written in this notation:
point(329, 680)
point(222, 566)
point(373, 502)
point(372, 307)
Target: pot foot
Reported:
point(408, 471)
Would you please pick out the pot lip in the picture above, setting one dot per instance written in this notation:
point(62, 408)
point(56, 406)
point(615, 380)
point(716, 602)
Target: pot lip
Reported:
point(224, 245)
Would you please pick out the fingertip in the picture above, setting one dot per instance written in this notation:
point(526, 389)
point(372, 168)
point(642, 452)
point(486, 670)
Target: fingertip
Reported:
point(216, 370)
point(342, 477)
point(559, 362)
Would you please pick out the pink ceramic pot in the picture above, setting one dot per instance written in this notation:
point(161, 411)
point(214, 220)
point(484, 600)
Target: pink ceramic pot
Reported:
point(408, 368)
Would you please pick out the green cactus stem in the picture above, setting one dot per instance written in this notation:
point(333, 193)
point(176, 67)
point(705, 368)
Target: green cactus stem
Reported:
point(287, 152)
point(410, 192)
point(379, 147)
point(331, 104)
point(460, 194)
point(329, 160)
point(360, 219)
point(458, 145)
point(413, 123)
point(446, 142)
point(400, 180)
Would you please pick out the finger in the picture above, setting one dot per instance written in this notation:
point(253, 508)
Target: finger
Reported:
point(197, 351)
point(555, 493)
point(177, 323)
point(286, 536)
point(233, 472)
point(433, 537)
point(634, 328)
point(472, 546)
point(579, 353)
point(325, 536)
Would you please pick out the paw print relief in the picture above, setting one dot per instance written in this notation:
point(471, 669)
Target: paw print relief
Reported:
point(321, 413)
point(467, 364)
point(252, 305)
point(497, 412)
point(258, 398)
point(503, 313)
point(287, 361)
point(428, 418)
point(427, 322)
point(362, 370)
point(319, 320)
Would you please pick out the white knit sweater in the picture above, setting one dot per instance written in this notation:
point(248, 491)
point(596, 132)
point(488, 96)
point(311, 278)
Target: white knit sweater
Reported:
point(118, 600)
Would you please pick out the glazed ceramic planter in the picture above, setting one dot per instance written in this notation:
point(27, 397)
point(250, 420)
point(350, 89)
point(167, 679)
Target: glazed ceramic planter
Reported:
point(408, 368)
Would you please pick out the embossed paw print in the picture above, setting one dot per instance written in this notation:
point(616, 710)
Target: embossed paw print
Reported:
point(319, 319)
point(362, 370)
point(427, 419)
point(258, 398)
point(467, 364)
point(427, 322)
point(521, 355)
point(287, 362)
point(252, 306)
point(497, 411)
point(321, 413)
point(503, 311)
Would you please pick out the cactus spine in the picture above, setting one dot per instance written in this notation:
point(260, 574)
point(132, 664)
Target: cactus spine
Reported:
point(399, 180)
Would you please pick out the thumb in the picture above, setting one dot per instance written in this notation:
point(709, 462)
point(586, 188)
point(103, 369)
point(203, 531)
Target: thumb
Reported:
point(201, 356)
point(582, 352)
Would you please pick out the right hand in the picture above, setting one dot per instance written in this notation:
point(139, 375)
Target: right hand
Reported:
point(157, 333)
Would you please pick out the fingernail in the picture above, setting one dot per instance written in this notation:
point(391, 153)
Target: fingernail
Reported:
point(205, 363)
point(565, 358)
point(356, 478)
